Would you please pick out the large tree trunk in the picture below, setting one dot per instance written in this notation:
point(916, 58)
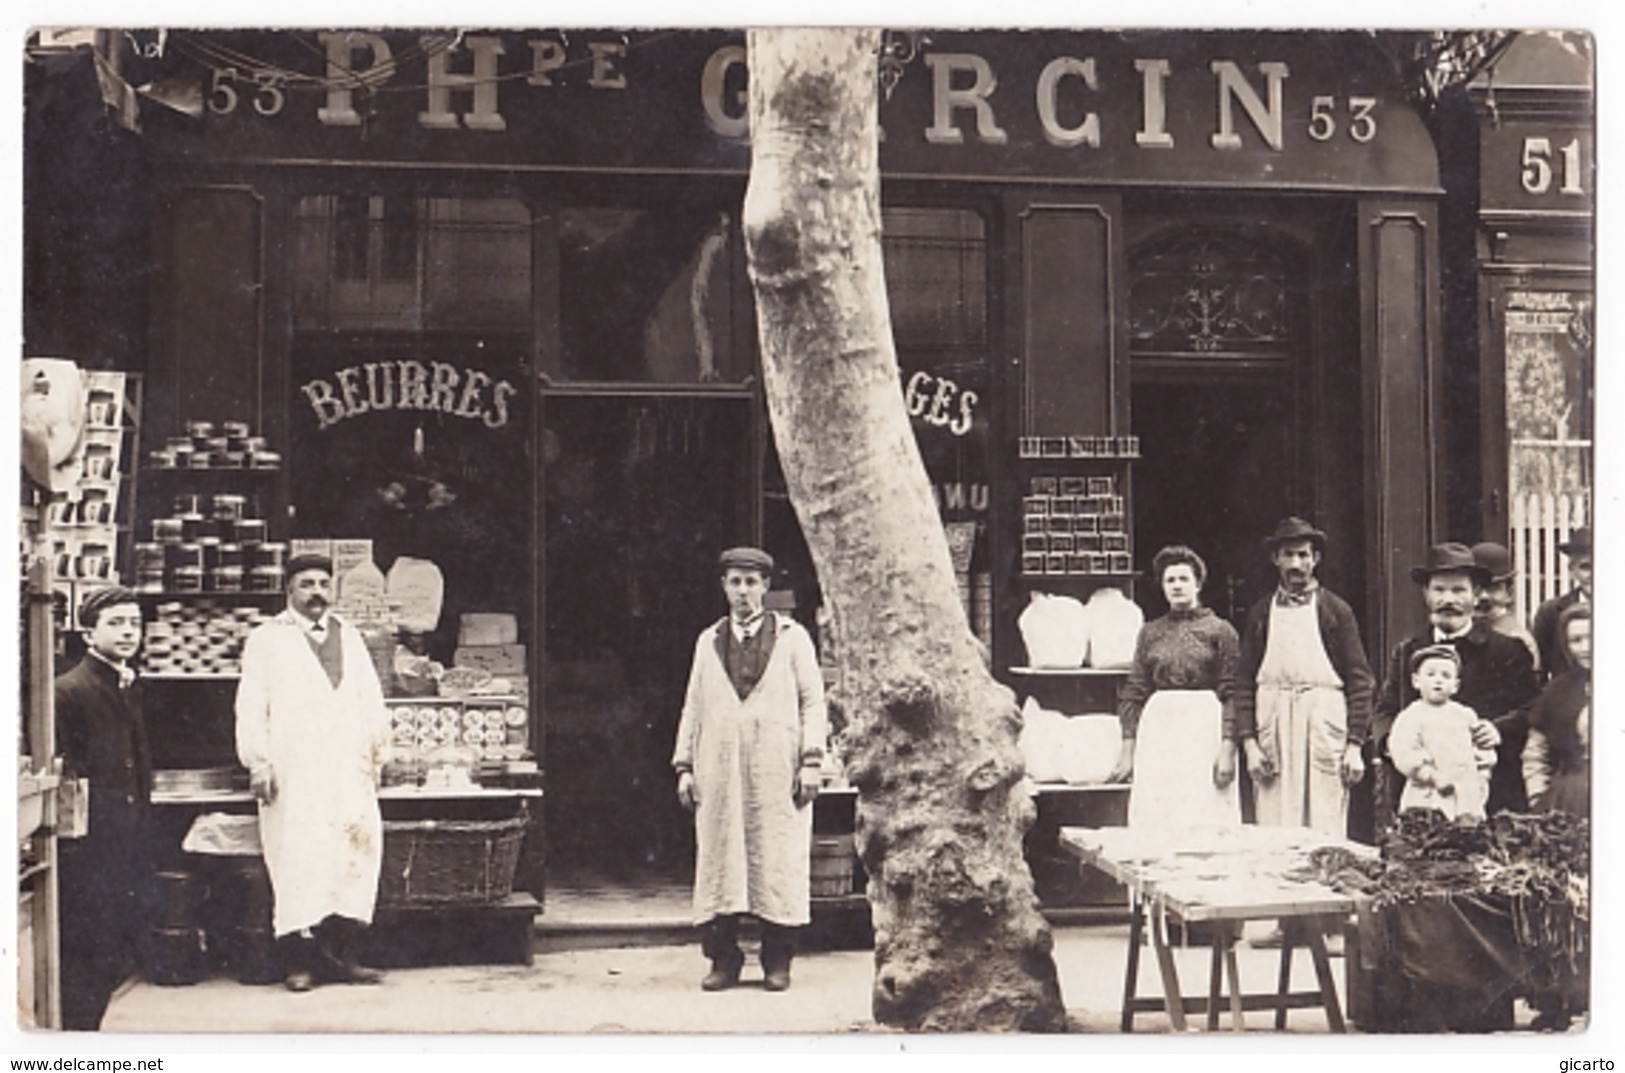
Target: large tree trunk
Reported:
point(931, 747)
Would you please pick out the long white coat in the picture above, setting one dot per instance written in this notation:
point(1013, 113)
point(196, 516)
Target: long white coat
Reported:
point(323, 836)
point(753, 842)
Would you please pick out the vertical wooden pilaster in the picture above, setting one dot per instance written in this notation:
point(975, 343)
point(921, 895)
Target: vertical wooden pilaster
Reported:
point(1403, 406)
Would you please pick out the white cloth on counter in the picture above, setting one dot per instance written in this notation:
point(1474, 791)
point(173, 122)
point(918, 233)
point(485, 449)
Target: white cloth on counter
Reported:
point(223, 834)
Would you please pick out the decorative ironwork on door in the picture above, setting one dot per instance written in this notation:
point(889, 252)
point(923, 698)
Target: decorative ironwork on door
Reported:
point(1210, 294)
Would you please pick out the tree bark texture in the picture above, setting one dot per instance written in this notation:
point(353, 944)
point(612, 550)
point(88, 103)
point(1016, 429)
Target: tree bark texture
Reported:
point(960, 945)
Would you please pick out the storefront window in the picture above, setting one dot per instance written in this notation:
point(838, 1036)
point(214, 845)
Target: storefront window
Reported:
point(651, 295)
point(1549, 463)
point(398, 263)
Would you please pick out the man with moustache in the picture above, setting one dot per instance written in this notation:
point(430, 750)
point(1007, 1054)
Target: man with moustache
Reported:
point(313, 732)
point(102, 737)
point(1304, 684)
point(1497, 678)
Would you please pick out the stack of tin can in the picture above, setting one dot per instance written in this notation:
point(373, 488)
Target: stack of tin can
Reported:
point(209, 543)
point(198, 637)
point(230, 445)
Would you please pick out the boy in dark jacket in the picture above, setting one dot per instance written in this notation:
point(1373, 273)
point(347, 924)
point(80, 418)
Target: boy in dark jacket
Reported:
point(102, 737)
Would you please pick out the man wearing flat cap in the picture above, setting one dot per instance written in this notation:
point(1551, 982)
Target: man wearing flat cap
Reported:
point(1497, 678)
point(749, 759)
point(1554, 655)
point(1304, 685)
point(101, 735)
point(313, 732)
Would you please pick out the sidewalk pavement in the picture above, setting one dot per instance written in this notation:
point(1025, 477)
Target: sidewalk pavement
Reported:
point(655, 989)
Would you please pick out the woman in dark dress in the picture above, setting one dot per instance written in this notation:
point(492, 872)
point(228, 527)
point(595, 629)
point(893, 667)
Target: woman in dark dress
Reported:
point(1557, 755)
point(1557, 776)
point(1179, 734)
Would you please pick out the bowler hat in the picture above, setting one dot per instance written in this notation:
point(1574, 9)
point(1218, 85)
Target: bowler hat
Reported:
point(746, 558)
point(1496, 559)
point(1578, 543)
point(1294, 529)
point(1450, 557)
point(309, 561)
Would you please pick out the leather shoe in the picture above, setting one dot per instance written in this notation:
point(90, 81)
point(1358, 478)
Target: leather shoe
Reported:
point(720, 978)
point(776, 980)
point(299, 981)
point(353, 972)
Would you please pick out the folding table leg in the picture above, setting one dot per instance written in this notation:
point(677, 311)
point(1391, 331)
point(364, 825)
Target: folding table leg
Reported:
point(1283, 983)
point(1238, 1019)
point(1323, 973)
point(1171, 996)
point(1131, 972)
point(1215, 979)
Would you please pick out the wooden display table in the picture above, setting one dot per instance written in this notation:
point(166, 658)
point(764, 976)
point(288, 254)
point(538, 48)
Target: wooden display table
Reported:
point(1222, 878)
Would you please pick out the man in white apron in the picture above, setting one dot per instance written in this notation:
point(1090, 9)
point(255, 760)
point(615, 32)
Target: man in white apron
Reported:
point(313, 732)
point(1304, 682)
point(749, 761)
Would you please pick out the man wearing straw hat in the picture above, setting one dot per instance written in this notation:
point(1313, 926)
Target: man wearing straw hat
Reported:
point(313, 732)
point(1554, 656)
point(749, 762)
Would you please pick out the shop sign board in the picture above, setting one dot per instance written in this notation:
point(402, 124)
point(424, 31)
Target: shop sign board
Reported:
point(1316, 109)
point(1538, 166)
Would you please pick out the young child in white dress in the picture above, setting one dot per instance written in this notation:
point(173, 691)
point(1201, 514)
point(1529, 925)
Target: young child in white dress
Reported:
point(1432, 741)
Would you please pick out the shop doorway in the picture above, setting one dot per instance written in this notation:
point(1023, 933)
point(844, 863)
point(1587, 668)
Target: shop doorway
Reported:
point(641, 491)
point(1220, 468)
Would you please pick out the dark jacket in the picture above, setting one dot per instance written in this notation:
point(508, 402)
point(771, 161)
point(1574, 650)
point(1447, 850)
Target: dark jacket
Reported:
point(102, 737)
point(1339, 635)
point(1497, 682)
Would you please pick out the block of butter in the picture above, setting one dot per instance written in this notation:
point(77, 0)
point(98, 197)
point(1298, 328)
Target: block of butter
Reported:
point(487, 628)
point(496, 659)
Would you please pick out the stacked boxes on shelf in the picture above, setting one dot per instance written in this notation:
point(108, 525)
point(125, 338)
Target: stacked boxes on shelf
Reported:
point(1075, 525)
point(231, 445)
point(210, 543)
point(489, 642)
point(82, 522)
point(198, 637)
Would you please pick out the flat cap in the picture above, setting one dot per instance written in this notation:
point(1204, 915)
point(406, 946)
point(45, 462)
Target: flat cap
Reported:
point(746, 558)
point(1427, 652)
point(108, 596)
point(309, 560)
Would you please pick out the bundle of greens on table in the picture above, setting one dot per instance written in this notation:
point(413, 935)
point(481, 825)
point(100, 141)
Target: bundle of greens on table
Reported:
point(1538, 864)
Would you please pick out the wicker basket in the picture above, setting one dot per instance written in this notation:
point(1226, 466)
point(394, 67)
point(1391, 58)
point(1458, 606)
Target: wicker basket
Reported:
point(449, 862)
